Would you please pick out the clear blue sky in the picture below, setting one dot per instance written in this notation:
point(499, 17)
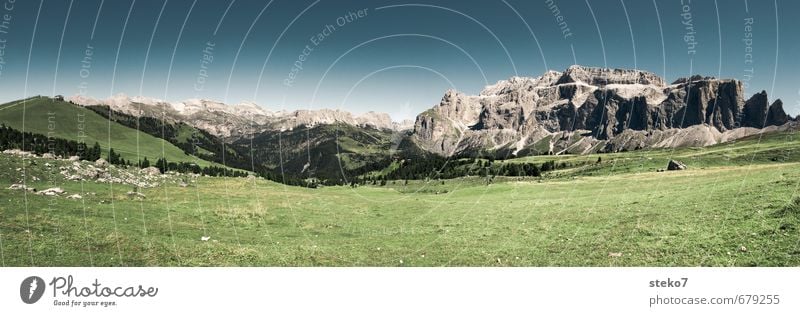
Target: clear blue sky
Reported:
point(398, 58)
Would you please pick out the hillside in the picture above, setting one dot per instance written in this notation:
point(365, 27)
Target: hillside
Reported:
point(329, 153)
point(333, 153)
point(192, 140)
point(64, 120)
point(579, 111)
point(735, 205)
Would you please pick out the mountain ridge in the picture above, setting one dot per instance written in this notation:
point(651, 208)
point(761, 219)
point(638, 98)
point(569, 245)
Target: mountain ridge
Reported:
point(597, 103)
point(230, 120)
point(579, 110)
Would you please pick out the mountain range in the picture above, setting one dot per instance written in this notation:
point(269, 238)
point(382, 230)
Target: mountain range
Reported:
point(586, 109)
point(235, 120)
point(578, 111)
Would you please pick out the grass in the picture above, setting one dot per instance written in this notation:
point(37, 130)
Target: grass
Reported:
point(756, 149)
point(44, 115)
point(736, 205)
point(790, 209)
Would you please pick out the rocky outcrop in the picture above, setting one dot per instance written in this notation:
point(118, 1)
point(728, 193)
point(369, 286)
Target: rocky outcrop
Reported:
point(17, 186)
point(150, 171)
point(515, 115)
point(755, 110)
point(51, 192)
point(441, 127)
point(18, 153)
point(776, 115)
point(603, 76)
point(101, 163)
point(675, 165)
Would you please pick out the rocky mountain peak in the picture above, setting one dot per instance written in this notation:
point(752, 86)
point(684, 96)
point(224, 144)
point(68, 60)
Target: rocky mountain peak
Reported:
point(603, 76)
point(693, 78)
point(192, 106)
point(233, 120)
point(516, 83)
point(599, 103)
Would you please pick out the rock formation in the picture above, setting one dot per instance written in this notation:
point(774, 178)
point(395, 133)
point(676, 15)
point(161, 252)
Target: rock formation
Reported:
point(675, 165)
point(591, 108)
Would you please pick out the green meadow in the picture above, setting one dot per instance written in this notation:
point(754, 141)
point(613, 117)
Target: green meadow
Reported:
point(46, 116)
point(735, 205)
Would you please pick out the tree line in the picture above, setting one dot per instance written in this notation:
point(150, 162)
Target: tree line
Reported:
point(41, 144)
point(443, 168)
point(235, 156)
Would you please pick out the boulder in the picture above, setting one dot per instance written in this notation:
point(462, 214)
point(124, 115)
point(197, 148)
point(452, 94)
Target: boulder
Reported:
point(51, 192)
point(17, 152)
point(48, 156)
point(675, 165)
point(90, 174)
point(74, 158)
point(101, 163)
point(17, 186)
point(135, 195)
point(75, 197)
point(150, 171)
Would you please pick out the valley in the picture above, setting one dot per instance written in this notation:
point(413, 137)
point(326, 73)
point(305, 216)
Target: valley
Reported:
point(586, 167)
point(734, 205)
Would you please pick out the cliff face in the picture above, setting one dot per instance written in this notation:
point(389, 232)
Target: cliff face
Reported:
point(601, 104)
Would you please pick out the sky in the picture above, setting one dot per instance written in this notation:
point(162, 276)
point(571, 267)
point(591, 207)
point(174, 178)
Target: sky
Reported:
point(397, 57)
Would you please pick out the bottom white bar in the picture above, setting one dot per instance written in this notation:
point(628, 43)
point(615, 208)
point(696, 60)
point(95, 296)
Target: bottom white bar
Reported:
point(416, 291)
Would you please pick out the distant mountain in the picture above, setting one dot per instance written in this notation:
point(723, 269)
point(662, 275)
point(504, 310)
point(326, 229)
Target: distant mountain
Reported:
point(327, 145)
point(588, 109)
point(580, 110)
point(237, 120)
point(336, 152)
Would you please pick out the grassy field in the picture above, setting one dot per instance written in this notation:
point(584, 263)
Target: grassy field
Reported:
point(735, 206)
point(65, 120)
point(756, 149)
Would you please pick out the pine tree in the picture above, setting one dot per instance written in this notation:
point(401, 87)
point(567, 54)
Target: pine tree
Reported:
point(114, 158)
point(95, 152)
point(162, 165)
